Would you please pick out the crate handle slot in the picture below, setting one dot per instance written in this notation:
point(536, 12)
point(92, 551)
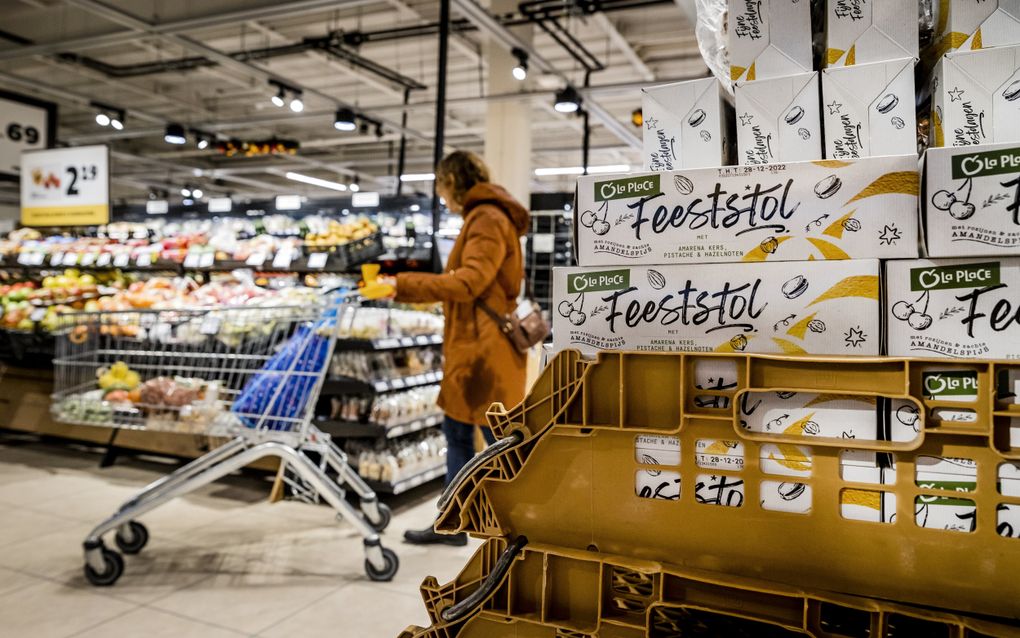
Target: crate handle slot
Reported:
point(455, 612)
point(476, 462)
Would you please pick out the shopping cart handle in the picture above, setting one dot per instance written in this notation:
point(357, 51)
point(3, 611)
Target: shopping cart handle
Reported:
point(477, 461)
point(455, 612)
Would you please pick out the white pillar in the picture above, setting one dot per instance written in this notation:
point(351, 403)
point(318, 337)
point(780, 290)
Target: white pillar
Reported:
point(507, 122)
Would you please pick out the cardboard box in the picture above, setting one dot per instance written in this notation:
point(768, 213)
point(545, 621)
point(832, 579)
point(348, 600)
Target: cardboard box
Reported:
point(778, 120)
point(975, 97)
point(768, 38)
point(956, 308)
point(868, 110)
point(970, 202)
point(821, 307)
point(686, 125)
point(859, 32)
point(971, 25)
point(862, 209)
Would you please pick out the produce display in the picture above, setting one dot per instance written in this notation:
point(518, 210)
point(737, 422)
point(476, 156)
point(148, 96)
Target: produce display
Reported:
point(231, 239)
point(387, 409)
point(27, 305)
point(397, 460)
point(376, 323)
point(386, 364)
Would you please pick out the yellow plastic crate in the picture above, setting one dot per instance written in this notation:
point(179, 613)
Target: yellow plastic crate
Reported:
point(682, 459)
point(552, 592)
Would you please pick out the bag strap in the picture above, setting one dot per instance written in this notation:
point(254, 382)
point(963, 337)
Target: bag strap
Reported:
point(502, 322)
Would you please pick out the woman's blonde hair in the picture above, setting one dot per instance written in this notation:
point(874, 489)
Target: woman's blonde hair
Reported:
point(460, 171)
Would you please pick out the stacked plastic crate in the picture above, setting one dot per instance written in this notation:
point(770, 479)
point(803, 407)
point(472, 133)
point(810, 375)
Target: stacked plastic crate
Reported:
point(715, 477)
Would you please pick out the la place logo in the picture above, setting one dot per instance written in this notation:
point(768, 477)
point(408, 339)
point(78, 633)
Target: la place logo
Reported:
point(987, 163)
point(640, 186)
point(951, 277)
point(598, 281)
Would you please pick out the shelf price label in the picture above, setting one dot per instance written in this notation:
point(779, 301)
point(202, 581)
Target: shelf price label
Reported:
point(56, 259)
point(122, 260)
point(144, 260)
point(256, 259)
point(70, 259)
point(317, 261)
point(87, 259)
point(192, 259)
point(103, 260)
point(66, 186)
point(282, 259)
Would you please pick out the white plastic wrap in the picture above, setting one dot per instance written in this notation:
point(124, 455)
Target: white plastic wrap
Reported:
point(710, 29)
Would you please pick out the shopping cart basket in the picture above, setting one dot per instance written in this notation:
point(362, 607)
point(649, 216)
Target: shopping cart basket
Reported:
point(252, 374)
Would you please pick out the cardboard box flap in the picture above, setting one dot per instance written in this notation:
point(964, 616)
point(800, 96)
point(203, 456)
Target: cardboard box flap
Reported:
point(679, 98)
point(987, 70)
point(774, 98)
point(999, 29)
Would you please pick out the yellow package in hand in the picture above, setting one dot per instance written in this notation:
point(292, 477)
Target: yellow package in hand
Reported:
point(373, 288)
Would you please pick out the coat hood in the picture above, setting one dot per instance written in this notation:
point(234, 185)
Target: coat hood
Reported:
point(488, 193)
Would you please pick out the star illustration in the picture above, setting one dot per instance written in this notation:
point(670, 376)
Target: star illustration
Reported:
point(834, 107)
point(956, 94)
point(855, 337)
point(745, 119)
point(652, 123)
point(889, 235)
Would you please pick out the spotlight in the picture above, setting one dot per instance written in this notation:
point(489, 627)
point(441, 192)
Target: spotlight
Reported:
point(296, 104)
point(185, 192)
point(345, 120)
point(567, 100)
point(117, 123)
point(354, 187)
point(102, 119)
point(203, 143)
point(278, 99)
point(174, 134)
point(197, 193)
point(520, 71)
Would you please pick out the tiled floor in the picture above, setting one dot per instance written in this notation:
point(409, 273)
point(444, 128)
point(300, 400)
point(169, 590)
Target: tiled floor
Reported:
point(221, 562)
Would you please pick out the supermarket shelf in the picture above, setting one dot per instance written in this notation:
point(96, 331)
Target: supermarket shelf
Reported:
point(354, 429)
point(389, 343)
point(348, 385)
point(410, 482)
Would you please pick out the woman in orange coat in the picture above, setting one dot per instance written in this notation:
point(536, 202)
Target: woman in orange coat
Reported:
point(481, 366)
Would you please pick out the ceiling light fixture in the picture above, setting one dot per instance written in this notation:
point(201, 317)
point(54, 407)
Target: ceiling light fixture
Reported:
point(296, 104)
point(577, 170)
point(107, 115)
point(418, 177)
point(315, 181)
point(520, 71)
point(567, 100)
point(117, 121)
point(197, 193)
point(345, 120)
point(102, 119)
point(185, 192)
point(174, 134)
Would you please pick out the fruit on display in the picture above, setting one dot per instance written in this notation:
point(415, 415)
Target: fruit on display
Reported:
point(118, 377)
point(337, 233)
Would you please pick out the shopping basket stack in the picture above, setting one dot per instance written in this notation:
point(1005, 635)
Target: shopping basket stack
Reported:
point(631, 497)
point(251, 374)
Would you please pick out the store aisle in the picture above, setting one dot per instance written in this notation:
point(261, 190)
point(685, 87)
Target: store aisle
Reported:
point(222, 562)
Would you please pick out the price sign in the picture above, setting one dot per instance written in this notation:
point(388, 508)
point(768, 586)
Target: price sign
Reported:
point(317, 260)
point(144, 260)
point(192, 260)
point(70, 259)
point(282, 259)
point(26, 124)
point(103, 260)
point(38, 314)
point(256, 259)
point(87, 259)
point(56, 259)
point(66, 186)
point(122, 260)
point(206, 260)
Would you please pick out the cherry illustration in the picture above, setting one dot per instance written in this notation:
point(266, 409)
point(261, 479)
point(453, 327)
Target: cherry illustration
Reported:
point(574, 314)
point(565, 308)
point(962, 210)
point(943, 199)
point(902, 310)
point(919, 321)
point(600, 227)
point(587, 218)
point(577, 317)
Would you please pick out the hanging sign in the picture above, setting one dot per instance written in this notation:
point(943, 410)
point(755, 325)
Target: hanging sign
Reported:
point(66, 186)
point(26, 124)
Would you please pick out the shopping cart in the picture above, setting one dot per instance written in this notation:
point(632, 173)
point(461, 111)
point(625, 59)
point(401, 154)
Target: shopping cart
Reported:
point(249, 373)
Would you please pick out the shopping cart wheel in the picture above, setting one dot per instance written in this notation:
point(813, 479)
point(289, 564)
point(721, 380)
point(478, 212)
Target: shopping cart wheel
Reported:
point(389, 571)
point(134, 544)
point(113, 567)
point(385, 514)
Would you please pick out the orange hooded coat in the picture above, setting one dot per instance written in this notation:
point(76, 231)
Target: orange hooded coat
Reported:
point(481, 366)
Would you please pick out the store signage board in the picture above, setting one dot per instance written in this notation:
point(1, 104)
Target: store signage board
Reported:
point(157, 207)
point(66, 186)
point(220, 204)
point(26, 124)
